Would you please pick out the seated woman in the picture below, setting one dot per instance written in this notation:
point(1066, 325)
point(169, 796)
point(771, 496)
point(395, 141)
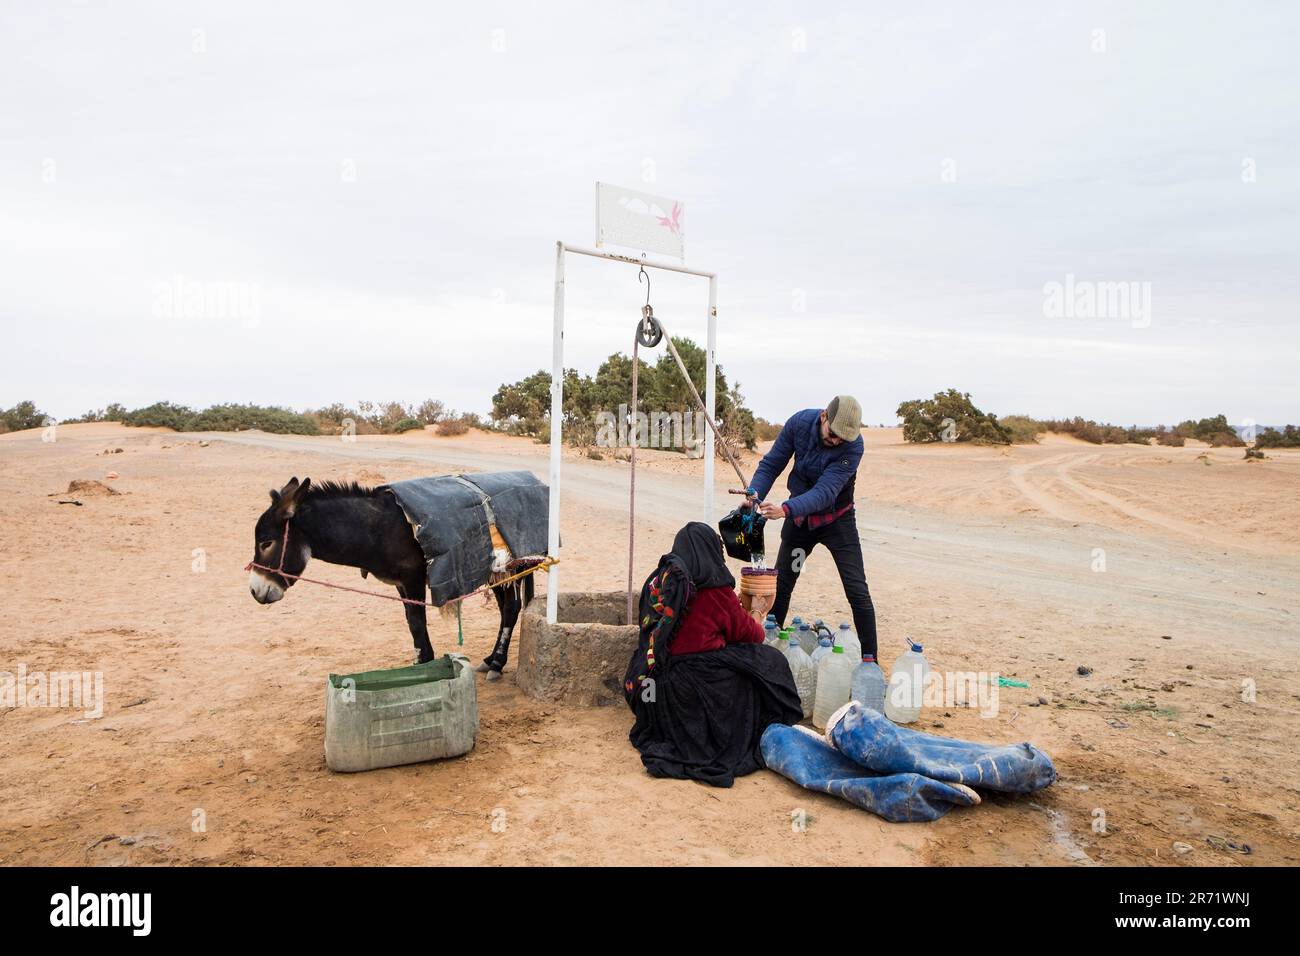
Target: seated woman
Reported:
point(701, 683)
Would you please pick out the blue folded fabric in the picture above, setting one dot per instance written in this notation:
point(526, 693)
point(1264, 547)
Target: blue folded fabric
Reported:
point(897, 773)
point(814, 764)
point(874, 741)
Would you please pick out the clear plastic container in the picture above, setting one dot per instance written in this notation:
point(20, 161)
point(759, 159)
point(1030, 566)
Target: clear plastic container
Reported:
point(823, 648)
point(907, 680)
point(770, 631)
point(868, 686)
point(834, 679)
point(805, 675)
point(847, 638)
point(807, 639)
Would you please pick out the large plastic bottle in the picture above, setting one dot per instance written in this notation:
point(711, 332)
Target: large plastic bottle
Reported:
point(782, 642)
point(770, 631)
point(907, 680)
point(868, 686)
point(823, 648)
point(848, 639)
point(805, 674)
point(807, 639)
point(834, 677)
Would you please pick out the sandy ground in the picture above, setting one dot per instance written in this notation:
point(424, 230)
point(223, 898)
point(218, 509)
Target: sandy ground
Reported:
point(209, 748)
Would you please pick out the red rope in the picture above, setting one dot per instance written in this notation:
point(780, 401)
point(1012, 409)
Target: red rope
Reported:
point(541, 565)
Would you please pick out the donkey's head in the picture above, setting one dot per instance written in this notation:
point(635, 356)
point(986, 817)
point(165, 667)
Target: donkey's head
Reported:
point(272, 549)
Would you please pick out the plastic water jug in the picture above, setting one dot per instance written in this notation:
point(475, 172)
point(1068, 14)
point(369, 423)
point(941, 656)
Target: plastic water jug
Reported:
point(834, 678)
point(770, 632)
point(823, 648)
point(805, 675)
point(848, 639)
point(807, 639)
point(868, 687)
point(907, 686)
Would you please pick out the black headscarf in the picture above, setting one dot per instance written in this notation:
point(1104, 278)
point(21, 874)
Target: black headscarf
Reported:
point(699, 548)
point(701, 716)
point(695, 562)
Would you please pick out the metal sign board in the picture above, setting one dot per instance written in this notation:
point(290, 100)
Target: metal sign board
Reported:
point(640, 221)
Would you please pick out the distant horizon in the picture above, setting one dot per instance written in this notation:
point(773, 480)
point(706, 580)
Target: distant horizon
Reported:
point(486, 415)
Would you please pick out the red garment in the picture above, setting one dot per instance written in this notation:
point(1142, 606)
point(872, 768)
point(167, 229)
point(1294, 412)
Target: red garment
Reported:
point(713, 619)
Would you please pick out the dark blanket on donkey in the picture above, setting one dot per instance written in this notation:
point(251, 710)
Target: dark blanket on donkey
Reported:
point(710, 710)
point(450, 522)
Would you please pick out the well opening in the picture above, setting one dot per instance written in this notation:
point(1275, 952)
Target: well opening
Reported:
point(580, 659)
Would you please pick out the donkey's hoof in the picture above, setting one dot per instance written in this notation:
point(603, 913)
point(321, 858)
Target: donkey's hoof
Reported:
point(481, 668)
point(493, 675)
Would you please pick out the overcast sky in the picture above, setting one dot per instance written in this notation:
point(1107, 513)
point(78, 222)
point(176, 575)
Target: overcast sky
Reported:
point(885, 189)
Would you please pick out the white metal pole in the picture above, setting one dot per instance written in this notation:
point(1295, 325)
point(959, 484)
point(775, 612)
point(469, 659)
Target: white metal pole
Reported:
point(557, 416)
point(709, 397)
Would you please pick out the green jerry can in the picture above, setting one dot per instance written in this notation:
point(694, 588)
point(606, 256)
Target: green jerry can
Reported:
point(404, 715)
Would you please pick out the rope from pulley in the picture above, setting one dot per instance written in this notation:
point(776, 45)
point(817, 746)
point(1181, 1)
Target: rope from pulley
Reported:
point(650, 332)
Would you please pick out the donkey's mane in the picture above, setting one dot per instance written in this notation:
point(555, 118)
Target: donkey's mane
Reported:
point(326, 490)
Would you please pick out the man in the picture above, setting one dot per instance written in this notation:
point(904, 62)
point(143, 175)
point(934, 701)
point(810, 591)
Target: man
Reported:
point(827, 446)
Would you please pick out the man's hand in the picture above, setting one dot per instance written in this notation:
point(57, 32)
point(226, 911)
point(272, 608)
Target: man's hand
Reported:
point(770, 511)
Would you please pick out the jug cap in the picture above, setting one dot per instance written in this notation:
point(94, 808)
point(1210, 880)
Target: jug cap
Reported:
point(844, 625)
point(837, 649)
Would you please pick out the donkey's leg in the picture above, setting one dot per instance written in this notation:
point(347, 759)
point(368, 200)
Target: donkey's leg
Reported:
point(492, 664)
point(510, 602)
point(413, 589)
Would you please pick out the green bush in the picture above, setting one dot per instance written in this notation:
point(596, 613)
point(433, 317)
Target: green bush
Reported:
point(22, 416)
point(405, 425)
point(1288, 437)
point(950, 416)
point(1023, 429)
point(524, 407)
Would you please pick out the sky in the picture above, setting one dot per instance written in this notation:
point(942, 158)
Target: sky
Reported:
point(890, 193)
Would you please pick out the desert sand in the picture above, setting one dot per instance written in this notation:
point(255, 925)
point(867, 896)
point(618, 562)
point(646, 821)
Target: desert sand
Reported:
point(209, 747)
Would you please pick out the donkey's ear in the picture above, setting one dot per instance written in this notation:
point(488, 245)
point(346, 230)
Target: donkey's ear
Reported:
point(275, 497)
point(291, 497)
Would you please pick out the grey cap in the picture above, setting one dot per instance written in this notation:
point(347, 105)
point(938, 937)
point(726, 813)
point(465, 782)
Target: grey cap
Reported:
point(845, 417)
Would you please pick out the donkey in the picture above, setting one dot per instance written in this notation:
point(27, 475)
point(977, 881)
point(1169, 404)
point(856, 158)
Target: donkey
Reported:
point(362, 528)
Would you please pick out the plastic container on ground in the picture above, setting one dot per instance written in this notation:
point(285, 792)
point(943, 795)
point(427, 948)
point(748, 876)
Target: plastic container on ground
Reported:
point(805, 674)
point(907, 679)
point(807, 639)
point(834, 678)
point(823, 648)
point(848, 639)
point(868, 686)
point(770, 631)
point(404, 715)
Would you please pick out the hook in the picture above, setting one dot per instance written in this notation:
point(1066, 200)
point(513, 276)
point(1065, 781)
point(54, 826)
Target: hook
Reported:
point(647, 283)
